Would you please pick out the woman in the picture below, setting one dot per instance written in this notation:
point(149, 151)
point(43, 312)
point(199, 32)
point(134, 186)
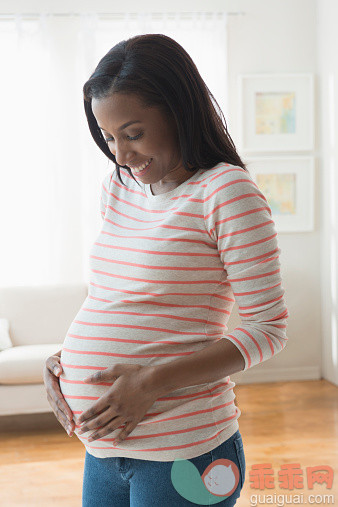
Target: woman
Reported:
point(143, 377)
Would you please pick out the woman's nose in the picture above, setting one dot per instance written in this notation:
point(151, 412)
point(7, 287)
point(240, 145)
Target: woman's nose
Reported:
point(123, 155)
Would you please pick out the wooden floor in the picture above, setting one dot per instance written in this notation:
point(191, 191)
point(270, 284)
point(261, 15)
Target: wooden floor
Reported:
point(282, 423)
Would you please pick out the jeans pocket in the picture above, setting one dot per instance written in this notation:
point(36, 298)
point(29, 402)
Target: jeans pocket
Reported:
point(239, 448)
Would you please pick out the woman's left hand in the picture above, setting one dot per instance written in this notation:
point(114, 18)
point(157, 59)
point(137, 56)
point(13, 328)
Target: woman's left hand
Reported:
point(126, 401)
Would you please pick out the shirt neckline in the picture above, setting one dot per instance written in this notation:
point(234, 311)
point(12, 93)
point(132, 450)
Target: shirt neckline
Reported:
point(166, 196)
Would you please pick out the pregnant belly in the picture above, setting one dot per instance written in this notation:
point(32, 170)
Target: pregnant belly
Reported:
point(96, 341)
point(79, 395)
point(82, 356)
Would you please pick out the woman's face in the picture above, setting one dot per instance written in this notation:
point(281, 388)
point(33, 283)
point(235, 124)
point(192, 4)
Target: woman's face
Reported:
point(150, 135)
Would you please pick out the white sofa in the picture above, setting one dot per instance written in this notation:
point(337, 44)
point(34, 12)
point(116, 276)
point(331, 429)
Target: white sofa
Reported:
point(39, 318)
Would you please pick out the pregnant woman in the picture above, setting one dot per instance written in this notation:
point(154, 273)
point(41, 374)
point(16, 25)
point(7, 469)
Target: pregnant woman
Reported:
point(143, 377)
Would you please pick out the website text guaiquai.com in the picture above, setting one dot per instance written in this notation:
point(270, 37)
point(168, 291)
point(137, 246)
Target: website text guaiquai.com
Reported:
point(291, 476)
point(280, 500)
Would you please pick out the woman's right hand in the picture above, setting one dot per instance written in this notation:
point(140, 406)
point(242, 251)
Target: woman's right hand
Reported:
point(52, 370)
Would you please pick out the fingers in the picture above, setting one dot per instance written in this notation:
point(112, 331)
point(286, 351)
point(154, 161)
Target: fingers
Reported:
point(53, 363)
point(129, 427)
point(104, 430)
point(60, 401)
point(53, 389)
point(100, 419)
point(59, 405)
point(55, 398)
point(100, 406)
point(69, 426)
point(59, 413)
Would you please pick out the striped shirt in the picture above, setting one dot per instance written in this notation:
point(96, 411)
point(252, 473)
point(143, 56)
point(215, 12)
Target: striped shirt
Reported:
point(165, 272)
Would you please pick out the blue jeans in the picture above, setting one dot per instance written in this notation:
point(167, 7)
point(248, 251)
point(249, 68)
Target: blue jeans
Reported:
point(124, 482)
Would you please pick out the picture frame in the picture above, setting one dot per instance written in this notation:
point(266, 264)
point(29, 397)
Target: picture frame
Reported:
point(276, 112)
point(288, 185)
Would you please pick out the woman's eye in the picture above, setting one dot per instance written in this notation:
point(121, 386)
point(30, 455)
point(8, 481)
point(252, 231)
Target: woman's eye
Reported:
point(108, 139)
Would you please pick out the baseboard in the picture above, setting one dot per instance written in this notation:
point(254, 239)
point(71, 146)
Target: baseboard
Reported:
point(259, 375)
point(22, 423)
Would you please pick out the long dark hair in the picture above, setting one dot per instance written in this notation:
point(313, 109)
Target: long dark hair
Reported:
point(162, 74)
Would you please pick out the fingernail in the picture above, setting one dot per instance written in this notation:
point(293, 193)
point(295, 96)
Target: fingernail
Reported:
point(57, 370)
point(69, 417)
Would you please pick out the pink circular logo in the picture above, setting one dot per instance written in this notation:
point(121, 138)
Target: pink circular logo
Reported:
point(221, 477)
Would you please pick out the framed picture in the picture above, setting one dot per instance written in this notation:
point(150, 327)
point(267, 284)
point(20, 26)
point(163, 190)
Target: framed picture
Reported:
point(276, 112)
point(288, 185)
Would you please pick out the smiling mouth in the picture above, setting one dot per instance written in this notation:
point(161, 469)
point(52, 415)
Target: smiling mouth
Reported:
point(143, 170)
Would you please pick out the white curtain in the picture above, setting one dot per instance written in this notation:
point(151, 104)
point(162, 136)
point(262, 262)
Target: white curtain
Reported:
point(50, 167)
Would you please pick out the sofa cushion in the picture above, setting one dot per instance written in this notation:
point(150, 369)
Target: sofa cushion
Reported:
point(41, 314)
point(5, 339)
point(23, 364)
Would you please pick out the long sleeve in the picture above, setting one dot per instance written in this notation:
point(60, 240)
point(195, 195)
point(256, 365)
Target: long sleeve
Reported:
point(104, 193)
point(238, 219)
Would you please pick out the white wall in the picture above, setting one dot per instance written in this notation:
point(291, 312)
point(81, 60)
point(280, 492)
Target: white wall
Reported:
point(300, 36)
point(280, 37)
point(327, 15)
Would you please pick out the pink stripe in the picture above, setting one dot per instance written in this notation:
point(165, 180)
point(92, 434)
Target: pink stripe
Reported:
point(154, 294)
point(188, 282)
point(239, 294)
point(268, 339)
point(195, 398)
point(162, 268)
point(254, 340)
point(269, 301)
point(255, 277)
point(156, 315)
point(156, 227)
point(170, 305)
point(152, 252)
point(184, 446)
point(178, 432)
point(145, 328)
point(251, 259)
point(198, 393)
point(188, 414)
point(247, 245)
point(124, 340)
point(219, 174)
point(242, 347)
point(114, 354)
point(234, 217)
point(235, 182)
point(282, 315)
point(135, 219)
point(176, 240)
point(242, 231)
point(84, 367)
point(165, 398)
